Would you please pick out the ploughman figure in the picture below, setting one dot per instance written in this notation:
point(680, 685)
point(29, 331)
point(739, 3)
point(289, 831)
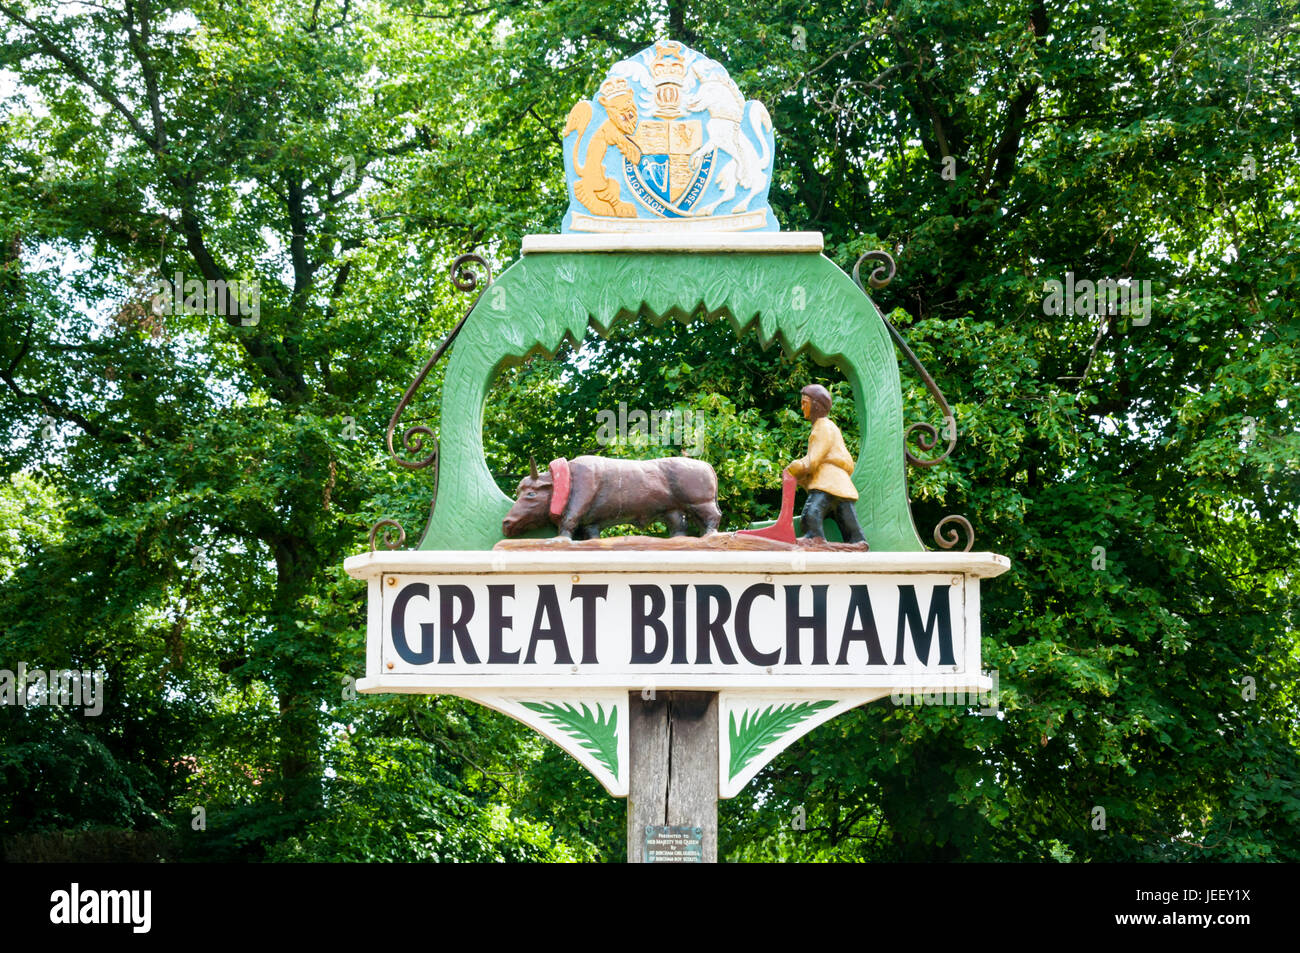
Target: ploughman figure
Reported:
point(826, 472)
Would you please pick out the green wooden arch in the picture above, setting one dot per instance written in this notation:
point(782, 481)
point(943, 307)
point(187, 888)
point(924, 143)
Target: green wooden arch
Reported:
point(800, 299)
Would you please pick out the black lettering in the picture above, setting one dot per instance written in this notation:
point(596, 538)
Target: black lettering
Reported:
point(457, 625)
point(643, 618)
point(860, 608)
point(589, 595)
point(679, 624)
point(498, 622)
point(743, 606)
point(795, 623)
point(548, 604)
point(425, 655)
point(707, 627)
point(909, 614)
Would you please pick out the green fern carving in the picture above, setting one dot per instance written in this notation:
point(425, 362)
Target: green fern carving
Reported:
point(595, 731)
point(759, 730)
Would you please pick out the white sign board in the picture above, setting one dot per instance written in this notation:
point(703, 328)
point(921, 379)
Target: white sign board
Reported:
point(559, 639)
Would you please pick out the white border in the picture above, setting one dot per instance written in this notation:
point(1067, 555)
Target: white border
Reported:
point(477, 562)
point(680, 241)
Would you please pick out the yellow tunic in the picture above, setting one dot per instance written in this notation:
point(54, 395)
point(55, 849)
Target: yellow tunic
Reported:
point(828, 466)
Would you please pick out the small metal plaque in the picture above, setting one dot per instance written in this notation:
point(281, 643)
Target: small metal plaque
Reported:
point(674, 845)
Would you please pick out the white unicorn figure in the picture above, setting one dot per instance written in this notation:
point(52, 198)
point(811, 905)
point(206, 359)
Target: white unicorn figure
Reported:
point(722, 99)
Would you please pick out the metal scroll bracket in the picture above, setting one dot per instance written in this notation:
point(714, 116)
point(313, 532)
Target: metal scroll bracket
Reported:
point(928, 437)
point(413, 437)
point(464, 279)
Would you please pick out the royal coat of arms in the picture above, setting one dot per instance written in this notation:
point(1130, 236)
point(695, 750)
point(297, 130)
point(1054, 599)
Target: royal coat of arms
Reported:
point(668, 142)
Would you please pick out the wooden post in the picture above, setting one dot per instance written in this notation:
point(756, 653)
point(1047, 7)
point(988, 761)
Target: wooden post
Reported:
point(673, 743)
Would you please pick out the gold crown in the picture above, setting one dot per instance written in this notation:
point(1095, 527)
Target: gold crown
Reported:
point(669, 65)
point(614, 87)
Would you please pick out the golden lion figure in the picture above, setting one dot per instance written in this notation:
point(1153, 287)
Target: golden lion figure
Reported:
point(598, 194)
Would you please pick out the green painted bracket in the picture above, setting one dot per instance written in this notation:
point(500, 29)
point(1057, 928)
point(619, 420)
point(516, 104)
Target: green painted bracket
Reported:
point(800, 299)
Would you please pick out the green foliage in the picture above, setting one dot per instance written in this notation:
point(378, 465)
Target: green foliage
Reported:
point(743, 403)
point(389, 800)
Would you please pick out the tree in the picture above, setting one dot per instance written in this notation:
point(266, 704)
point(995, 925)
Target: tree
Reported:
point(205, 431)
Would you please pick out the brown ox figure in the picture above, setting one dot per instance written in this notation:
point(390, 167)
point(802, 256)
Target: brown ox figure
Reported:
point(584, 495)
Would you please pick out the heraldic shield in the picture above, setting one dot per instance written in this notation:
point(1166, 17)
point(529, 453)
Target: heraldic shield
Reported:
point(664, 181)
point(668, 142)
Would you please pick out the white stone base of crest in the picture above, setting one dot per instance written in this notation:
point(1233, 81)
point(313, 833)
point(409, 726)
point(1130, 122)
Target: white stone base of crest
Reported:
point(684, 241)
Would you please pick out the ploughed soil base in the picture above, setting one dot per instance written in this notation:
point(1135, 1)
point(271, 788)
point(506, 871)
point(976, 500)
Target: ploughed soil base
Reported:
point(714, 541)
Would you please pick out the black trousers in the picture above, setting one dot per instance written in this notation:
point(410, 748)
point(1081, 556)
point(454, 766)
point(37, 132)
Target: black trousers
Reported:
point(815, 509)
